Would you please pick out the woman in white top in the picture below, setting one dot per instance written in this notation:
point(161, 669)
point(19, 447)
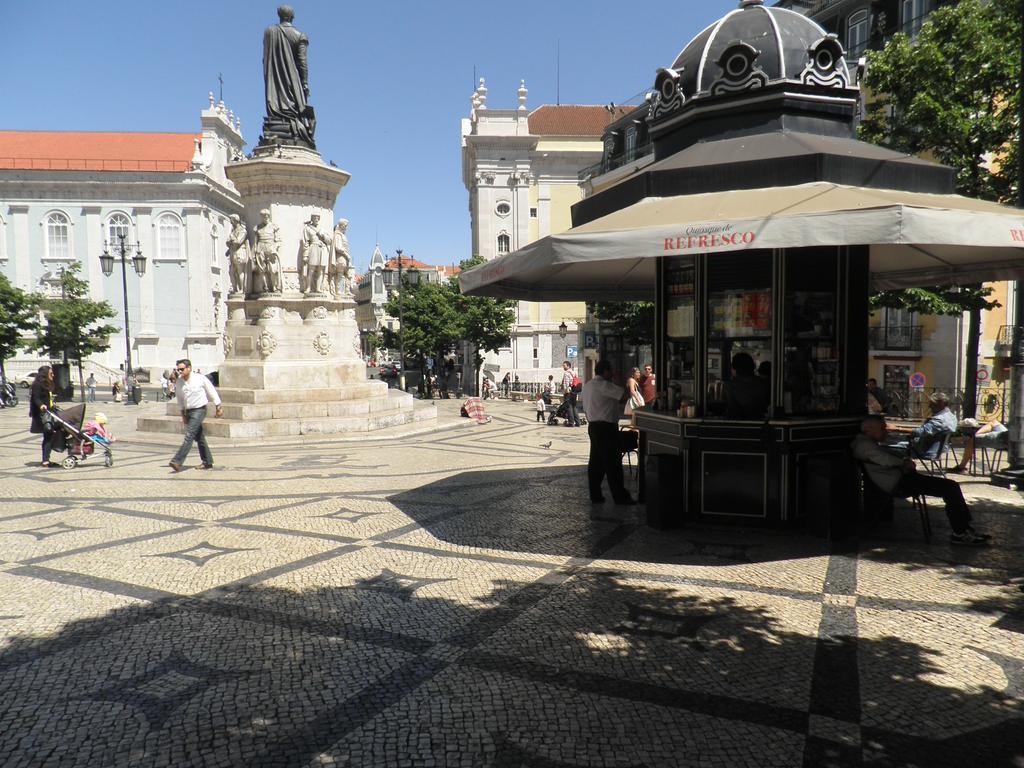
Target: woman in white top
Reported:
point(636, 399)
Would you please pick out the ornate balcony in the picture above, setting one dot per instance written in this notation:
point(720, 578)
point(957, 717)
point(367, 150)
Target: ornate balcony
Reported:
point(895, 338)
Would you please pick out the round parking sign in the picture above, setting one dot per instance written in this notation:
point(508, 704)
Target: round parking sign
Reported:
point(917, 379)
point(982, 374)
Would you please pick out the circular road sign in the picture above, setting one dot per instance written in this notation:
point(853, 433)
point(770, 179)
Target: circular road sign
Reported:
point(917, 379)
point(982, 374)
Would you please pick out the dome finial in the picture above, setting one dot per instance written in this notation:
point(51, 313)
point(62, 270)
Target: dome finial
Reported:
point(748, 3)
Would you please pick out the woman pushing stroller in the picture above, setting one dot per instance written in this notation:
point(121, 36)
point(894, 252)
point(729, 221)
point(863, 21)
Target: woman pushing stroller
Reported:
point(40, 408)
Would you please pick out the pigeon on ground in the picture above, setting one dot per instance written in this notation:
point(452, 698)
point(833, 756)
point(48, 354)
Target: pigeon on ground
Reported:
point(546, 445)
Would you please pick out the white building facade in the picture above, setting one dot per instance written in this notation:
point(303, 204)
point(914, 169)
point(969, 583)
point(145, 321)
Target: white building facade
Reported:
point(521, 169)
point(65, 196)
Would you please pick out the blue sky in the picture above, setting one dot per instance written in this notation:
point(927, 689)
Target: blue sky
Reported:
point(390, 81)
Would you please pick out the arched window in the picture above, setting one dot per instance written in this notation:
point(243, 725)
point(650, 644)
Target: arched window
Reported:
point(119, 224)
point(168, 236)
point(504, 243)
point(58, 236)
point(856, 35)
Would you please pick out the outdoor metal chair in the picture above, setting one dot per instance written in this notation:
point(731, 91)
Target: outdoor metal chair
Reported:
point(991, 464)
point(629, 442)
point(881, 503)
point(934, 456)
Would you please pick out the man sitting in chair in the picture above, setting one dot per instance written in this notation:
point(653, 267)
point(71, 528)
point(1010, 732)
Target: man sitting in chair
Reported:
point(925, 440)
point(897, 476)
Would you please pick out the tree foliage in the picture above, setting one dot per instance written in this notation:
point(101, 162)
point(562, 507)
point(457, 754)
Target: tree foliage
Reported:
point(633, 319)
point(437, 316)
point(429, 316)
point(74, 322)
point(19, 317)
point(940, 300)
point(952, 94)
point(486, 322)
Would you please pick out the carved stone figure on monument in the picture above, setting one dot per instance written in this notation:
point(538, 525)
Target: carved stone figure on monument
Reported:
point(290, 119)
point(340, 262)
point(266, 265)
point(315, 249)
point(238, 255)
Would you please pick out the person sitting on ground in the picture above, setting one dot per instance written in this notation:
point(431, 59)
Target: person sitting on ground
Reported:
point(989, 435)
point(746, 395)
point(541, 407)
point(897, 476)
point(925, 440)
point(473, 408)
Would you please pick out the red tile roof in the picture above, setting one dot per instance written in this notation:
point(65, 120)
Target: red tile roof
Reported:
point(99, 151)
point(573, 119)
point(408, 262)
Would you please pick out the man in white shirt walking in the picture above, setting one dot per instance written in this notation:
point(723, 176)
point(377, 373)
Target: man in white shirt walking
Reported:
point(193, 391)
point(603, 402)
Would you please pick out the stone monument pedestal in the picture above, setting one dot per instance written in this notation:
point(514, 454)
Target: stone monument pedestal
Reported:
point(292, 363)
point(291, 368)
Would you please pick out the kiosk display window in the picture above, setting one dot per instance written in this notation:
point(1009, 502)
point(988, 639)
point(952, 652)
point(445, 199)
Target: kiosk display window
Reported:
point(811, 376)
point(739, 308)
point(680, 319)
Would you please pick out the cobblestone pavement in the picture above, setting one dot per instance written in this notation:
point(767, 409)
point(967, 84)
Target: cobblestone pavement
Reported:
point(450, 599)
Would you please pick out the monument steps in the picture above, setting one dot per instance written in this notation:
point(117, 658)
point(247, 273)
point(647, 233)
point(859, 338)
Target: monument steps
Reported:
point(302, 409)
point(390, 412)
point(354, 391)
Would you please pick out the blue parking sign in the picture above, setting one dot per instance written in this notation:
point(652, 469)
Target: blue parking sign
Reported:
point(570, 351)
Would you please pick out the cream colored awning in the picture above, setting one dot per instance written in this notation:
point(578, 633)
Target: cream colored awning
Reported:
point(916, 239)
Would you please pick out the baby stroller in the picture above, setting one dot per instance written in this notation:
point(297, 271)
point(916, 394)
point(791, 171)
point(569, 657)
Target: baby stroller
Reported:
point(562, 412)
point(82, 443)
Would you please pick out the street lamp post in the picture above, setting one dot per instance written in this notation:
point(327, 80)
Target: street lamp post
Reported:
point(139, 265)
point(401, 327)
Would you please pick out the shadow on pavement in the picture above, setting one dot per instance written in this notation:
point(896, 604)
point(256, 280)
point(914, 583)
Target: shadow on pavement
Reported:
point(547, 512)
point(374, 673)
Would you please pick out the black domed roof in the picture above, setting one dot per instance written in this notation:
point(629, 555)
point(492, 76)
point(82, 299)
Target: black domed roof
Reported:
point(782, 39)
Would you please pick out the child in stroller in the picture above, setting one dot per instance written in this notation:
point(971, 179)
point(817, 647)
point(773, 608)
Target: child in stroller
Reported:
point(83, 441)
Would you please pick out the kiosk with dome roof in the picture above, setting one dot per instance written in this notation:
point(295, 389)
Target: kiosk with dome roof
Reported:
point(759, 229)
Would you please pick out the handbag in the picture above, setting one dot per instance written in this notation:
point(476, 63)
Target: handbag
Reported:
point(46, 419)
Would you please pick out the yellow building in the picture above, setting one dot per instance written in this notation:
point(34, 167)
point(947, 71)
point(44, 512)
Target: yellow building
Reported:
point(902, 344)
point(521, 169)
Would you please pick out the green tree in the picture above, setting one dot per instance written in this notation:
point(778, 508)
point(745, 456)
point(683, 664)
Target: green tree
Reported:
point(485, 322)
point(438, 316)
point(19, 317)
point(633, 319)
point(73, 322)
point(952, 94)
point(431, 322)
point(374, 341)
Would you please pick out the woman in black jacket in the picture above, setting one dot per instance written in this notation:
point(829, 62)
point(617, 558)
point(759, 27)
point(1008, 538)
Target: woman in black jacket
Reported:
point(41, 401)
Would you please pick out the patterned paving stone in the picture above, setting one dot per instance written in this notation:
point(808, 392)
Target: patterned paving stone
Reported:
point(451, 599)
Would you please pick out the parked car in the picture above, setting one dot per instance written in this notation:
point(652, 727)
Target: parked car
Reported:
point(25, 380)
point(389, 371)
